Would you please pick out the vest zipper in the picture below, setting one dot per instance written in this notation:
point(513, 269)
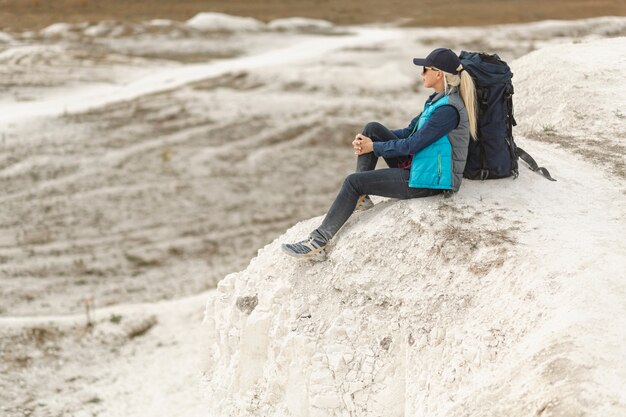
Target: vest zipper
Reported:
point(438, 167)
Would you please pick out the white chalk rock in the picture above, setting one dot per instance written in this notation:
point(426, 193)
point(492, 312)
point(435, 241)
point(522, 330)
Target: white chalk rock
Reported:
point(56, 29)
point(430, 334)
point(5, 37)
point(300, 24)
point(219, 22)
point(580, 78)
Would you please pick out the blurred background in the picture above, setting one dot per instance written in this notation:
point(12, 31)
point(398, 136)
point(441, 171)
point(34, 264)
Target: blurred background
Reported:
point(35, 14)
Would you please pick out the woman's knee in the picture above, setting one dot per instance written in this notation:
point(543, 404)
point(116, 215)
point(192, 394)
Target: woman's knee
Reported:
point(371, 128)
point(351, 183)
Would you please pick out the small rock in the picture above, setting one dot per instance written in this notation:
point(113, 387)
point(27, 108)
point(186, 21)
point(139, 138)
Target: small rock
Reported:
point(386, 342)
point(247, 304)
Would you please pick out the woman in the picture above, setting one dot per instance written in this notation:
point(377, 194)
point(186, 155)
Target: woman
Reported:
point(425, 158)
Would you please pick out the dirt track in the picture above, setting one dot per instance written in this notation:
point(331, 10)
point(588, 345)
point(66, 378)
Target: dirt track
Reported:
point(161, 199)
point(35, 14)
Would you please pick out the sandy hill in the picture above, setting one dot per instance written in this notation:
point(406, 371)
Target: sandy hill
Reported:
point(503, 301)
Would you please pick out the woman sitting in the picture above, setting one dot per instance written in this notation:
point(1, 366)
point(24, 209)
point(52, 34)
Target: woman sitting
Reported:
point(425, 158)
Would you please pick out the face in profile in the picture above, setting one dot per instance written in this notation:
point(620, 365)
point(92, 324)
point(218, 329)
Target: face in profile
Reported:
point(430, 76)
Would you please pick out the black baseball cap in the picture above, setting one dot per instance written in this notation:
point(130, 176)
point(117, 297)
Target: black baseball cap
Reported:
point(441, 58)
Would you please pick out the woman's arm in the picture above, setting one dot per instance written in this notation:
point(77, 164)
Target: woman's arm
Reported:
point(443, 120)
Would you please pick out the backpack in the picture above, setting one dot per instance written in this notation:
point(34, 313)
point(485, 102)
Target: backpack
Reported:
point(494, 153)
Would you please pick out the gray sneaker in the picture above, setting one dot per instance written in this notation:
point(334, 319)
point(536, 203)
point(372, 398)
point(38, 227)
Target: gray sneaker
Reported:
point(364, 203)
point(310, 248)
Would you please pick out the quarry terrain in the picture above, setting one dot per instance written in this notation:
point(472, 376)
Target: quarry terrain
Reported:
point(142, 161)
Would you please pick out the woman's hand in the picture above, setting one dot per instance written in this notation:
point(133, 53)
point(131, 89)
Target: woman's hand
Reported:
point(362, 144)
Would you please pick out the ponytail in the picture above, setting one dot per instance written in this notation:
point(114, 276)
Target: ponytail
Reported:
point(468, 94)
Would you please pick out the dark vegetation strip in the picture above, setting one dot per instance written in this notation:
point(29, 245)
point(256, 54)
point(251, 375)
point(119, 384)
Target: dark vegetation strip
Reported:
point(19, 15)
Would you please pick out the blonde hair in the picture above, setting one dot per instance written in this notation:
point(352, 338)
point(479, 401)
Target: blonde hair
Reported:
point(468, 94)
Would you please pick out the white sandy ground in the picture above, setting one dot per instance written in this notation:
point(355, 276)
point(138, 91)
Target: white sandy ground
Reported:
point(481, 305)
point(70, 369)
point(136, 201)
point(85, 99)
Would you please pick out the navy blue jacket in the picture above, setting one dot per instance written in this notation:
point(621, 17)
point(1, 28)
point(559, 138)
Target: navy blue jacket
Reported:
point(443, 120)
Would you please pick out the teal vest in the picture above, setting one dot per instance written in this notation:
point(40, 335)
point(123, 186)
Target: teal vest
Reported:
point(432, 166)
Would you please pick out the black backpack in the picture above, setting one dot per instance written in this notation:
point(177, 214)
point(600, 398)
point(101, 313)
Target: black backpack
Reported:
point(494, 153)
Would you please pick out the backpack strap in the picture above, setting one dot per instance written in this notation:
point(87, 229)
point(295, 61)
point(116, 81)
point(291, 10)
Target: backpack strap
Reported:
point(484, 172)
point(509, 105)
point(524, 156)
point(513, 152)
point(482, 96)
point(510, 121)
